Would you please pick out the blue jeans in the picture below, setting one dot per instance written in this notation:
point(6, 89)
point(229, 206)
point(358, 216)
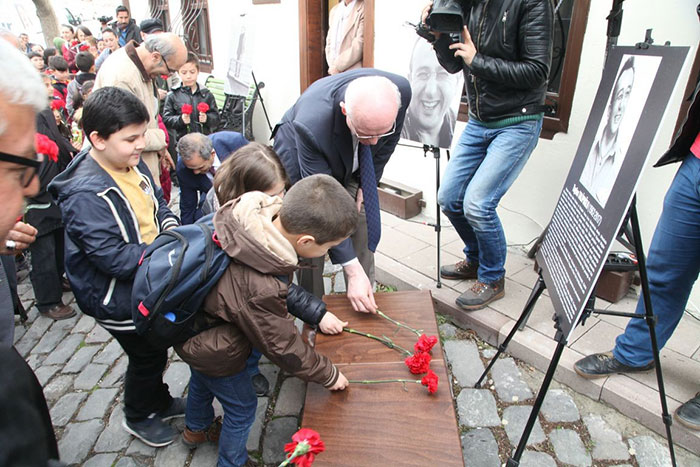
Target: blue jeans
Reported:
point(484, 164)
point(238, 399)
point(673, 265)
point(251, 365)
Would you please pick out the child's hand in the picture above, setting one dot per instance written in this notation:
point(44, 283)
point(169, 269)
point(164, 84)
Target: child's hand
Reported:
point(341, 384)
point(185, 119)
point(202, 117)
point(330, 324)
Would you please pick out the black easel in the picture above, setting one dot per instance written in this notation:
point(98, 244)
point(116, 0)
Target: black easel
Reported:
point(437, 225)
point(561, 339)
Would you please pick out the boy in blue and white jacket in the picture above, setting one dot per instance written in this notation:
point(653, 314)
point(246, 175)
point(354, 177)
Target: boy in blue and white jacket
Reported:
point(112, 210)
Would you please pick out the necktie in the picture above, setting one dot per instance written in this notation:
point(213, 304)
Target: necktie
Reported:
point(368, 183)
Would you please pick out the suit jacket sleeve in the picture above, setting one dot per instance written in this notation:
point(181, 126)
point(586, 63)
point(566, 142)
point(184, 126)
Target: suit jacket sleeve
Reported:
point(311, 158)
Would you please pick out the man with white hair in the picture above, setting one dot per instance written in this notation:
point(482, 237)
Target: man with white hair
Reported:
point(337, 123)
point(25, 424)
point(134, 68)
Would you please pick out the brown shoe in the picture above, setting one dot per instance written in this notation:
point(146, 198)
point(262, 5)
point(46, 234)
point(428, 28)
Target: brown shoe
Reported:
point(211, 434)
point(481, 294)
point(65, 285)
point(59, 312)
point(460, 270)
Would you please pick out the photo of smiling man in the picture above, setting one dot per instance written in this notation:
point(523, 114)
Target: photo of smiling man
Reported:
point(431, 116)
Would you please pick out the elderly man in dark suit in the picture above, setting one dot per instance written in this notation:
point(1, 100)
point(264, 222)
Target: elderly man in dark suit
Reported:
point(337, 123)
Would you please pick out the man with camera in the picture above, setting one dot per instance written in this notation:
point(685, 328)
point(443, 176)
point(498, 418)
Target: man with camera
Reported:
point(505, 52)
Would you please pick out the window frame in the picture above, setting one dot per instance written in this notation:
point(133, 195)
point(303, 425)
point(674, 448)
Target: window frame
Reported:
point(191, 31)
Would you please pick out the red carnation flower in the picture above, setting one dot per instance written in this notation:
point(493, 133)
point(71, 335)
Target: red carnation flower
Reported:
point(57, 104)
point(186, 109)
point(165, 77)
point(45, 146)
point(84, 47)
point(425, 343)
point(203, 107)
point(306, 443)
point(418, 363)
point(74, 42)
point(431, 381)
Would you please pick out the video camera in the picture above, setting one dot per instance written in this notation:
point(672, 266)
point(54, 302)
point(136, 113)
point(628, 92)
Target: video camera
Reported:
point(446, 16)
point(104, 19)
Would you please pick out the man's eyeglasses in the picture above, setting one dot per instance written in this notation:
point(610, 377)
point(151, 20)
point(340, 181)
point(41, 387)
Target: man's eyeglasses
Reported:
point(364, 137)
point(31, 166)
point(170, 72)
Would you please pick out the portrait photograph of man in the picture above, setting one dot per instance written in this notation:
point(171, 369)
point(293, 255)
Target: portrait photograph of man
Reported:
point(622, 112)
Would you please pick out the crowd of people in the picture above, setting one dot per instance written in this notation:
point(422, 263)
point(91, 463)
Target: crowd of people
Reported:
point(94, 130)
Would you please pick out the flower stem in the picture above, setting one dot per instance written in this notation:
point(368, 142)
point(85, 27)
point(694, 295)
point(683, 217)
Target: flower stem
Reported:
point(384, 340)
point(377, 381)
point(417, 332)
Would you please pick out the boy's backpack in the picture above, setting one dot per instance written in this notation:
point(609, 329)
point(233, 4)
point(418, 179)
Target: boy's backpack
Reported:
point(175, 274)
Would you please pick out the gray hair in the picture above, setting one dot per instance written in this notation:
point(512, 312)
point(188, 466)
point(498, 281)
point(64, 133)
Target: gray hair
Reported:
point(164, 43)
point(20, 82)
point(365, 85)
point(193, 144)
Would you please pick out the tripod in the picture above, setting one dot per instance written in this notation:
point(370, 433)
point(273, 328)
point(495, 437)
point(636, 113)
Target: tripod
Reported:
point(561, 339)
point(437, 225)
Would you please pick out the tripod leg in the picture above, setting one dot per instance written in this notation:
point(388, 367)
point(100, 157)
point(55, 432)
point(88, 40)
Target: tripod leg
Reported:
point(536, 292)
point(651, 322)
point(436, 154)
point(515, 460)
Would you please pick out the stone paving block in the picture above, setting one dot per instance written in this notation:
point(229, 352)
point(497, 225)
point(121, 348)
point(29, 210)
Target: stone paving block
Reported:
point(45, 372)
point(114, 437)
point(68, 297)
point(509, 385)
point(32, 312)
point(327, 285)
point(115, 377)
point(64, 350)
point(70, 323)
point(35, 360)
point(569, 448)
point(88, 378)
point(536, 459)
point(649, 452)
point(128, 462)
point(173, 455)
point(32, 336)
point(206, 455)
point(98, 335)
point(84, 324)
point(558, 406)
point(77, 440)
point(109, 354)
point(19, 332)
point(607, 443)
point(177, 376)
point(517, 416)
point(479, 448)
point(253, 443)
point(65, 407)
point(278, 432)
point(139, 448)
point(271, 372)
point(290, 399)
point(330, 268)
point(463, 357)
point(81, 358)
point(339, 283)
point(477, 408)
point(50, 340)
point(97, 404)
point(57, 387)
point(448, 331)
point(489, 353)
point(100, 460)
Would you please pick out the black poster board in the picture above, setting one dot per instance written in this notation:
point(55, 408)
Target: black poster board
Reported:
point(629, 105)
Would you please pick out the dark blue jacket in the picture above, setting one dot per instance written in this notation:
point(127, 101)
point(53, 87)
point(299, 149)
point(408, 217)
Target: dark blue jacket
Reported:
point(193, 187)
point(103, 241)
point(313, 136)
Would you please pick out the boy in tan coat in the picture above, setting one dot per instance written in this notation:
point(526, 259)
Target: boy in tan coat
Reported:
point(263, 236)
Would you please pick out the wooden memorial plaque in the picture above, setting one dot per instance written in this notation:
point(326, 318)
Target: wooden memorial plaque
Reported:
point(389, 423)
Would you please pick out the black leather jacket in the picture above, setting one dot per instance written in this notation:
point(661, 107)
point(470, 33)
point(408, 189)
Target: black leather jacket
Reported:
point(508, 75)
point(683, 140)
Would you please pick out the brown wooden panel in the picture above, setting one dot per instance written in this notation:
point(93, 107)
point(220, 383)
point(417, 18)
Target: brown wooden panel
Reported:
point(383, 424)
point(414, 308)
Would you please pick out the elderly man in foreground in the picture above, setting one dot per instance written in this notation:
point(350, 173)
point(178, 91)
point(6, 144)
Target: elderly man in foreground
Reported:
point(346, 126)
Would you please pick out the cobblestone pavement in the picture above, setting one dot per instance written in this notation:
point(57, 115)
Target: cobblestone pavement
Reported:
point(81, 369)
